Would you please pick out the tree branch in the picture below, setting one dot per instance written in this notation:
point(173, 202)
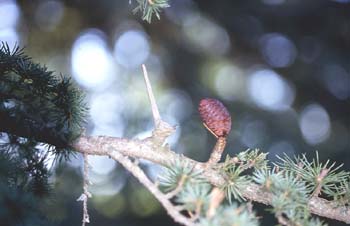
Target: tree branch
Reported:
point(162, 198)
point(144, 149)
point(152, 149)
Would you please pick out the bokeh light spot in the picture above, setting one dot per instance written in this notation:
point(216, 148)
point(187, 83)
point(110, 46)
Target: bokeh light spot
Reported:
point(109, 205)
point(49, 14)
point(277, 50)
point(105, 111)
point(109, 183)
point(337, 81)
point(270, 91)
point(102, 164)
point(230, 82)
point(178, 104)
point(91, 61)
point(131, 48)
point(9, 14)
point(9, 36)
point(206, 35)
point(105, 108)
point(315, 124)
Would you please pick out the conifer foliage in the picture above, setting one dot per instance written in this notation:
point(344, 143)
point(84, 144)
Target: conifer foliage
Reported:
point(151, 8)
point(36, 104)
point(39, 113)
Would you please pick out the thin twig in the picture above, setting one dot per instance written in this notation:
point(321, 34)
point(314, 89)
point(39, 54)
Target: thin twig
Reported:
point(178, 188)
point(137, 172)
point(86, 194)
point(216, 197)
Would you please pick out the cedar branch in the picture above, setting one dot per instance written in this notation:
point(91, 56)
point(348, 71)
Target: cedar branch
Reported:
point(143, 149)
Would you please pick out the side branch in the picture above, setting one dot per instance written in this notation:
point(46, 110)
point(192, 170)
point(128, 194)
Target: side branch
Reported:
point(144, 149)
point(86, 194)
point(162, 198)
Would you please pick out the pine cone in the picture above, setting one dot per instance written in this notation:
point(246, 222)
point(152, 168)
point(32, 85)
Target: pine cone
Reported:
point(215, 116)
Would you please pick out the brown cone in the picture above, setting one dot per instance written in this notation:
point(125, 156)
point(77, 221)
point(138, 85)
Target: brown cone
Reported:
point(215, 116)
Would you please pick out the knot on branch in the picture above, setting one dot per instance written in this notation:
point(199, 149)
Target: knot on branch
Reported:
point(162, 131)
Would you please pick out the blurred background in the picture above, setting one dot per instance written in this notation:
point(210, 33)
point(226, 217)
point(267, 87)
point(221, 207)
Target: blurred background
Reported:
point(281, 67)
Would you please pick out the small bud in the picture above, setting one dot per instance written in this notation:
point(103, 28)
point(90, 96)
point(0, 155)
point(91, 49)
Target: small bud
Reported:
point(235, 160)
point(215, 117)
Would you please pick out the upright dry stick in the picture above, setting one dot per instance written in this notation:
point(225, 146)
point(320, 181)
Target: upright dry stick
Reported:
point(162, 129)
point(155, 111)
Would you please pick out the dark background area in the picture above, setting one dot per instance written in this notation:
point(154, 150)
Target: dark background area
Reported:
point(281, 67)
